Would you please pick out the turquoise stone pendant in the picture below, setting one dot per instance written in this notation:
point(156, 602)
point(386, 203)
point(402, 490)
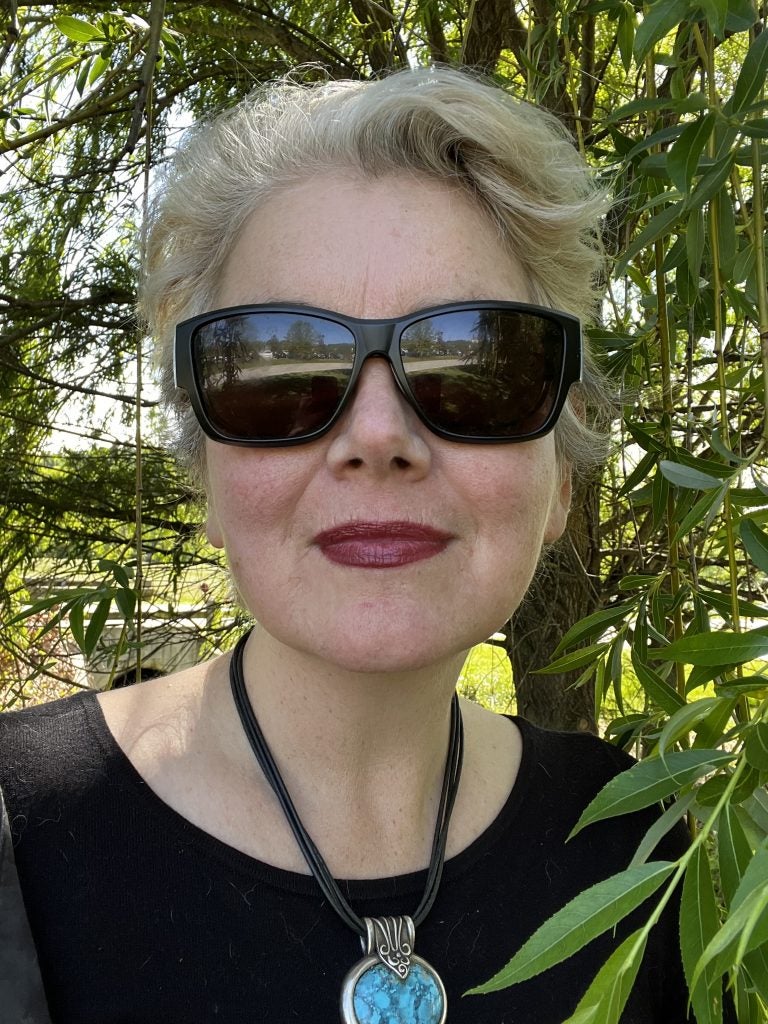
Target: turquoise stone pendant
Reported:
point(391, 985)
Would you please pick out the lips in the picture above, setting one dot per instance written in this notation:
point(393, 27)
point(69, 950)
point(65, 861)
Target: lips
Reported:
point(381, 545)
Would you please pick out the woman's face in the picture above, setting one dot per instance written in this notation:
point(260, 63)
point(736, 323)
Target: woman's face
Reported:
point(379, 248)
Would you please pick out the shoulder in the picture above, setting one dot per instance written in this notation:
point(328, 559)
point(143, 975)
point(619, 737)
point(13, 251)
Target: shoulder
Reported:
point(563, 772)
point(50, 755)
point(578, 758)
point(30, 735)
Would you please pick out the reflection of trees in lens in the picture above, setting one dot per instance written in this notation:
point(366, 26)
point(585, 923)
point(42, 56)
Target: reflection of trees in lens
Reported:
point(225, 348)
point(504, 383)
point(421, 341)
point(302, 340)
point(518, 351)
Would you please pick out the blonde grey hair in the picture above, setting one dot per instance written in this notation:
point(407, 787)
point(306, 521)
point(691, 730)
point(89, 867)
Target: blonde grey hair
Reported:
point(516, 162)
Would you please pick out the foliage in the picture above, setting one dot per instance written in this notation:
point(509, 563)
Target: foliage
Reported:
point(667, 100)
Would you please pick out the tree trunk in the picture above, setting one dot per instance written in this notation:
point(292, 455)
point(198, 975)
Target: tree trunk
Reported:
point(564, 590)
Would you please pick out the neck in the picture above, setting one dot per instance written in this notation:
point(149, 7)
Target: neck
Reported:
point(363, 755)
point(339, 718)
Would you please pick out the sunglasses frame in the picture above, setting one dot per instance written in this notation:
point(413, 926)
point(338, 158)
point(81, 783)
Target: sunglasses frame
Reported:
point(375, 338)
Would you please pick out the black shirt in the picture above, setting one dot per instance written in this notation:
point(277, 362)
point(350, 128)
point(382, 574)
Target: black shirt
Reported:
point(140, 917)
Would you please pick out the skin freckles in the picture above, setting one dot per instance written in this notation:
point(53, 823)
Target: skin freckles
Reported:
point(379, 248)
point(351, 670)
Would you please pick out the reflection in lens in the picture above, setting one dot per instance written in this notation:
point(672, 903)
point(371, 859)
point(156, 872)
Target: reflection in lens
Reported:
point(265, 376)
point(487, 372)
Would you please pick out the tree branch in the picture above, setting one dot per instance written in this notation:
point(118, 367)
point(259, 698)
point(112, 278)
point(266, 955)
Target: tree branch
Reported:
point(102, 107)
point(75, 388)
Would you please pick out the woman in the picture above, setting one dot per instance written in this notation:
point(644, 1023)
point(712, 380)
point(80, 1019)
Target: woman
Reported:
point(373, 389)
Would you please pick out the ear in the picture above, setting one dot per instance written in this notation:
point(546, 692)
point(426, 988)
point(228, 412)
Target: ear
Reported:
point(560, 504)
point(213, 529)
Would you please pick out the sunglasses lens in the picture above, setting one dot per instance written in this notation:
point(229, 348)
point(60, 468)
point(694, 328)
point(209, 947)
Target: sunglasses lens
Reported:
point(491, 373)
point(272, 376)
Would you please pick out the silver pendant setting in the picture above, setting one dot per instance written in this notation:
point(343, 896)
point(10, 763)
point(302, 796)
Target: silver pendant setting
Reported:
point(391, 985)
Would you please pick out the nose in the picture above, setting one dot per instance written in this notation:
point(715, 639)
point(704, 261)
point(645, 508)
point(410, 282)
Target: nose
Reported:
point(379, 431)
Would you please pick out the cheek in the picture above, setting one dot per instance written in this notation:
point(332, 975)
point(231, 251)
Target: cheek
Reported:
point(515, 488)
point(517, 498)
point(251, 493)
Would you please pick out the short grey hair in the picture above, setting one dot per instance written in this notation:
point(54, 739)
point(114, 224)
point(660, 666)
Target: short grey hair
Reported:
point(516, 161)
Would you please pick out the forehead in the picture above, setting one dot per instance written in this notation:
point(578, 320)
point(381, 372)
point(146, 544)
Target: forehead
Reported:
point(370, 247)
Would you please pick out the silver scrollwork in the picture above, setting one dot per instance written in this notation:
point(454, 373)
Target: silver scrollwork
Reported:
point(391, 940)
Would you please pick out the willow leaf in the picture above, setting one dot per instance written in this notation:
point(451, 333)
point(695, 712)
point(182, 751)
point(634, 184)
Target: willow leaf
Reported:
point(606, 997)
point(588, 915)
point(648, 782)
point(699, 921)
point(712, 649)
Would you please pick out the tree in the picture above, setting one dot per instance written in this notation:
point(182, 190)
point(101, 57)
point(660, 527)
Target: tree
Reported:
point(665, 563)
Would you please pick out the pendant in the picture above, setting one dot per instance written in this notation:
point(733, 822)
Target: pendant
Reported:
point(391, 985)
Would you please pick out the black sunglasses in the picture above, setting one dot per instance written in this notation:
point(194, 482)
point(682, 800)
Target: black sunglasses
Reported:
point(486, 372)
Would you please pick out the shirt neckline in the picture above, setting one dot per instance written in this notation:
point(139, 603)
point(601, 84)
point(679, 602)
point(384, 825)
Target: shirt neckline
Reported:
point(179, 829)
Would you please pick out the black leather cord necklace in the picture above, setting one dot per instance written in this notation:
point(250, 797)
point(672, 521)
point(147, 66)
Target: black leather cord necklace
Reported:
point(390, 984)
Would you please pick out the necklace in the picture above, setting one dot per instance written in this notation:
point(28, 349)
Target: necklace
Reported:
point(390, 985)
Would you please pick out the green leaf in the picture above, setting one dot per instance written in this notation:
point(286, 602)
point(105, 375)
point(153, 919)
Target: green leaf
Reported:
point(658, 689)
point(752, 75)
point(644, 437)
point(711, 182)
point(707, 466)
point(715, 12)
point(664, 824)
point(67, 598)
point(741, 15)
point(755, 874)
point(648, 782)
point(591, 625)
point(126, 602)
point(684, 476)
point(710, 649)
point(699, 922)
point(726, 229)
point(695, 237)
point(746, 927)
point(76, 626)
point(587, 915)
point(98, 67)
point(120, 573)
point(578, 659)
point(82, 76)
point(639, 473)
point(659, 496)
point(747, 684)
point(709, 731)
point(76, 29)
point(709, 503)
point(756, 808)
point(684, 720)
point(96, 626)
point(635, 581)
point(723, 605)
point(756, 964)
point(660, 224)
point(604, 1000)
point(693, 102)
point(626, 34)
point(756, 745)
point(733, 852)
point(615, 669)
point(755, 541)
point(659, 20)
point(683, 157)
